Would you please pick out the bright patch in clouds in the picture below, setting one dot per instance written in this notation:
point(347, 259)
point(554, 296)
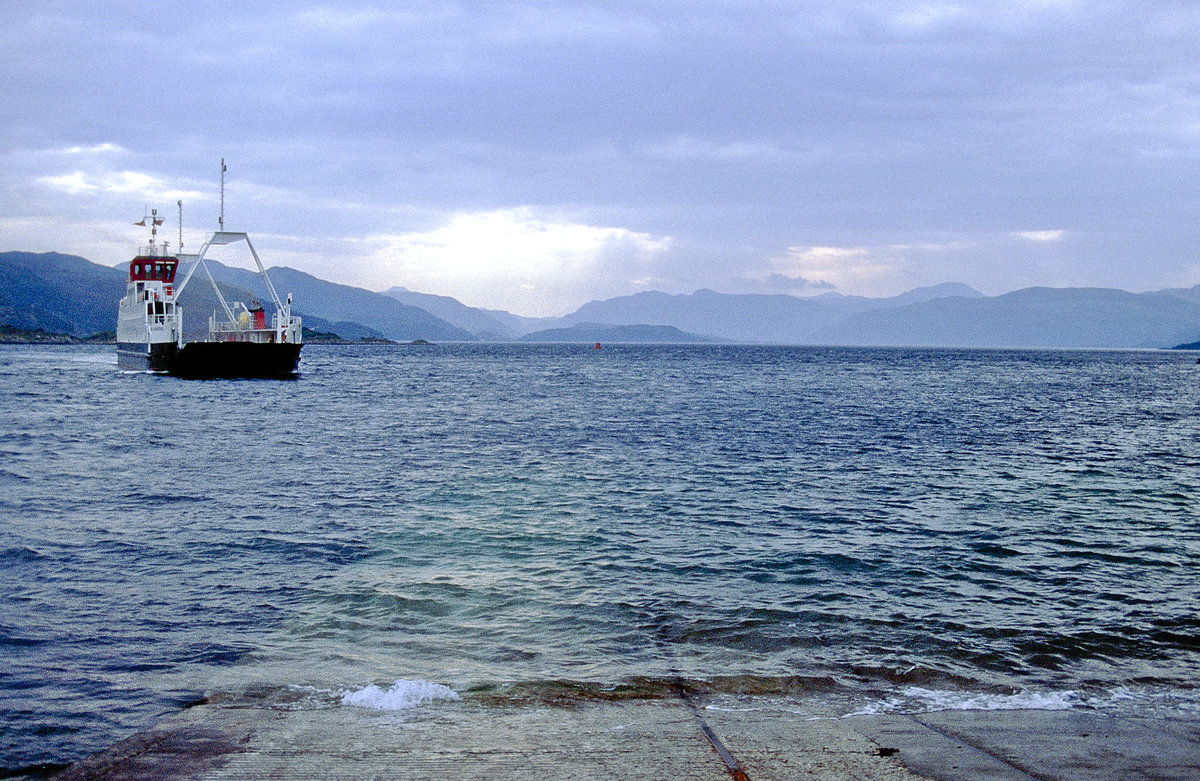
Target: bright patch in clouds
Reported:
point(1040, 235)
point(92, 150)
point(115, 183)
point(857, 270)
point(510, 259)
point(79, 182)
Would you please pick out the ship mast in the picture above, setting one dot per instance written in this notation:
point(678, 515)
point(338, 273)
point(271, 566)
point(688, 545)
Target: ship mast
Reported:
point(152, 217)
point(180, 205)
point(221, 219)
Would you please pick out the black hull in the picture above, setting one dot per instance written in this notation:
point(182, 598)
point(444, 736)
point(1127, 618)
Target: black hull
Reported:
point(211, 360)
point(145, 357)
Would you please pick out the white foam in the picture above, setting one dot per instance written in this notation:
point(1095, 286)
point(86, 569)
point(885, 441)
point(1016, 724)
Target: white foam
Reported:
point(401, 696)
point(916, 699)
point(948, 700)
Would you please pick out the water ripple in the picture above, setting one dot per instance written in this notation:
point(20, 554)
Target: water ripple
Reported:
point(533, 521)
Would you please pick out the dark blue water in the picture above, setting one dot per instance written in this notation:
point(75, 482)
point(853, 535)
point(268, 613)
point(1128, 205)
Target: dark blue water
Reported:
point(877, 529)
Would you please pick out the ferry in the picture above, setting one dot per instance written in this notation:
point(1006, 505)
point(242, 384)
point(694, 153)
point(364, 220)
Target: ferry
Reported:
point(240, 344)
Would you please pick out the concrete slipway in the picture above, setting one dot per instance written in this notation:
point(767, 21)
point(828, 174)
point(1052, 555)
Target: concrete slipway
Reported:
point(238, 737)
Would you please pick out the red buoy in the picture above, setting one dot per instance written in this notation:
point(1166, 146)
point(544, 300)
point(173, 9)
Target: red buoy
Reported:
point(597, 345)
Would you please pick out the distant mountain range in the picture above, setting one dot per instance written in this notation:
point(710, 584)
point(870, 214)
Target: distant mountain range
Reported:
point(751, 318)
point(68, 294)
point(485, 324)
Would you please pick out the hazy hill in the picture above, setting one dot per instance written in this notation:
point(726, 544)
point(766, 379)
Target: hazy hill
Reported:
point(586, 333)
point(487, 324)
point(1191, 294)
point(750, 318)
point(920, 295)
point(1033, 317)
point(346, 330)
point(60, 293)
point(333, 302)
point(479, 322)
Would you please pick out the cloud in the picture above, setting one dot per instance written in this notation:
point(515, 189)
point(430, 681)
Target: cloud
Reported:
point(774, 283)
point(731, 127)
point(94, 149)
point(78, 182)
point(860, 270)
point(512, 259)
point(1040, 236)
point(116, 183)
point(104, 242)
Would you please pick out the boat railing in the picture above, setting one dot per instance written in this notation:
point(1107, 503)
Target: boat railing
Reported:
point(281, 329)
point(238, 331)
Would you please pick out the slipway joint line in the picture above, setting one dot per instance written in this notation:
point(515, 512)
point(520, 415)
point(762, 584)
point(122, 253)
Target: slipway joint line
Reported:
point(730, 762)
point(946, 733)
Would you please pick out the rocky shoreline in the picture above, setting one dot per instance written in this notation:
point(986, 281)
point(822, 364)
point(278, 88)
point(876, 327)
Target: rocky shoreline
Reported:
point(11, 335)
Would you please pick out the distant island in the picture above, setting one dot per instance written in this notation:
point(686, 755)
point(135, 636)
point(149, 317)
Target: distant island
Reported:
point(329, 337)
point(586, 333)
point(312, 336)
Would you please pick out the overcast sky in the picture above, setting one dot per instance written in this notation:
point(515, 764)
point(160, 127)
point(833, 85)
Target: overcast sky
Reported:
point(533, 156)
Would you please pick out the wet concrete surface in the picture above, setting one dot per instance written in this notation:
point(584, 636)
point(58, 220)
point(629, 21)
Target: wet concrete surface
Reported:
point(641, 739)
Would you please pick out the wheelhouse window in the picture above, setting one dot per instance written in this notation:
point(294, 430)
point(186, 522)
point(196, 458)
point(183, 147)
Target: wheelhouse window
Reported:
point(163, 270)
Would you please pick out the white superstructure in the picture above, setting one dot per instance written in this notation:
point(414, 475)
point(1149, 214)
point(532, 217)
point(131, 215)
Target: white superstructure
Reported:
point(148, 314)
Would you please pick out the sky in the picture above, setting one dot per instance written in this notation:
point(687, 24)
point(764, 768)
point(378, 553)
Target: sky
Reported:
point(533, 156)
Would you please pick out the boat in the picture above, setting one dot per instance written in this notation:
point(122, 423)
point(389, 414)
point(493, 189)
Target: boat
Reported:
point(242, 343)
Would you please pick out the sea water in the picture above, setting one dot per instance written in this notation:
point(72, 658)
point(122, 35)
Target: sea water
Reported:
point(858, 530)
